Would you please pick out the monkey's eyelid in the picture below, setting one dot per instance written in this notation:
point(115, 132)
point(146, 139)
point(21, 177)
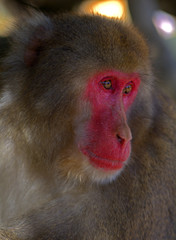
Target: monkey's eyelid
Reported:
point(128, 88)
point(107, 84)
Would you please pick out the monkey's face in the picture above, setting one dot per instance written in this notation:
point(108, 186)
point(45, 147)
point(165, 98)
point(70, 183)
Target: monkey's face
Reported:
point(105, 139)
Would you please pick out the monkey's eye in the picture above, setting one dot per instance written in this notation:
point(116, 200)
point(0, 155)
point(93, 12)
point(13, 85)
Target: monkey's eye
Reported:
point(128, 88)
point(107, 84)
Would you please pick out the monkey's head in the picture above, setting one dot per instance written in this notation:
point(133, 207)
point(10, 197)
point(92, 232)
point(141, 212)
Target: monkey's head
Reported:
point(74, 83)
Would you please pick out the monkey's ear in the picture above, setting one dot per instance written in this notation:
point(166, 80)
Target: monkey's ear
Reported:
point(34, 46)
point(33, 35)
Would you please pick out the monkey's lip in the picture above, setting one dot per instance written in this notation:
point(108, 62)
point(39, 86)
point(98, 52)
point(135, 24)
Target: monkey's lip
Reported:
point(104, 163)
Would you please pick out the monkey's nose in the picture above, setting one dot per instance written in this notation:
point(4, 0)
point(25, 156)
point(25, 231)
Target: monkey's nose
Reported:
point(123, 134)
point(120, 140)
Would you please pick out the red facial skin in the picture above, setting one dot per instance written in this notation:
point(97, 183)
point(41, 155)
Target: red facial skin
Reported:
point(108, 137)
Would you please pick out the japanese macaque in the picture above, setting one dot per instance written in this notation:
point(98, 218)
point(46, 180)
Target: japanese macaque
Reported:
point(88, 140)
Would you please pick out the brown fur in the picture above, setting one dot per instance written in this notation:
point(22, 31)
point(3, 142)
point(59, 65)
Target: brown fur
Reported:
point(47, 188)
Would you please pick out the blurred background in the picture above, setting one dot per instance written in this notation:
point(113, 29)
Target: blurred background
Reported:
point(156, 19)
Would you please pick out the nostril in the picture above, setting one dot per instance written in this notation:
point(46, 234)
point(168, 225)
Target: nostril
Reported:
point(120, 140)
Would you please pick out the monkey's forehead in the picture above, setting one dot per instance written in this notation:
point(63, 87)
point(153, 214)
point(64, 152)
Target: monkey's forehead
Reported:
point(81, 40)
point(107, 39)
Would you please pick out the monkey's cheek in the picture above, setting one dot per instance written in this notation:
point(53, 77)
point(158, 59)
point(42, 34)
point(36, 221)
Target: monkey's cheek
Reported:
point(111, 163)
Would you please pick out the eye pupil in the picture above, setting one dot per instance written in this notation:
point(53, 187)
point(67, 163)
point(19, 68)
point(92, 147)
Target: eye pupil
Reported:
point(127, 89)
point(107, 84)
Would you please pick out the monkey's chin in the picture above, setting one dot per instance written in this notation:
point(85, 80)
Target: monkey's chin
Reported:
point(105, 173)
point(106, 164)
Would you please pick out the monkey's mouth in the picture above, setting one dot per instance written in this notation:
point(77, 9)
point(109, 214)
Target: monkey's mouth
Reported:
point(104, 163)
